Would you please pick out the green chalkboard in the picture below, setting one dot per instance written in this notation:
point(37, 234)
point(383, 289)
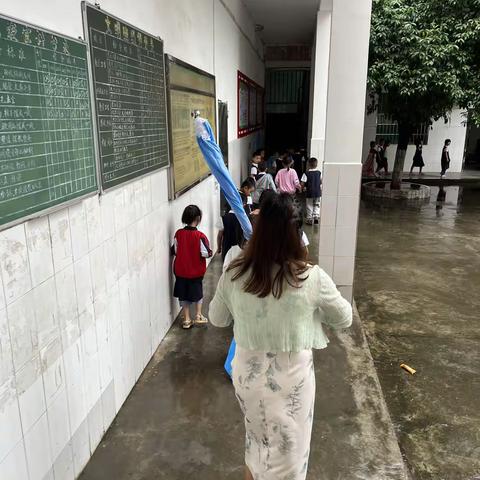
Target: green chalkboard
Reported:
point(129, 88)
point(47, 154)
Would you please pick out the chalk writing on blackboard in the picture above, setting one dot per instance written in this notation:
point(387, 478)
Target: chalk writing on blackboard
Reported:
point(46, 136)
point(129, 88)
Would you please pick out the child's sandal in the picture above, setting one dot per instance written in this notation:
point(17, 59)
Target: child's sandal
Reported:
point(201, 320)
point(186, 324)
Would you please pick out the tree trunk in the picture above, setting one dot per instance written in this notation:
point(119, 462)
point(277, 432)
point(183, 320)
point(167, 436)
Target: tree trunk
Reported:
point(404, 132)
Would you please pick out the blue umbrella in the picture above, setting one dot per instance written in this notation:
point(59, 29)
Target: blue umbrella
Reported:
point(214, 158)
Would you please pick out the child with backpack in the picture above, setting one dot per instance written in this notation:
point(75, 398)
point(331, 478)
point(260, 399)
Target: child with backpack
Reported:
point(312, 184)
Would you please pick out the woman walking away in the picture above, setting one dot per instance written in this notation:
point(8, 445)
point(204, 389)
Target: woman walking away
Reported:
point(287, 178)
point(368, 169)
point(418, 157)
point(445, 161)
point(191, 248)
point(278, 303)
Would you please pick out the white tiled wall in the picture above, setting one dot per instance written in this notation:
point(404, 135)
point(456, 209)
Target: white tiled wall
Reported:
point(338, 224)
point(85, 292)
point(85, 299)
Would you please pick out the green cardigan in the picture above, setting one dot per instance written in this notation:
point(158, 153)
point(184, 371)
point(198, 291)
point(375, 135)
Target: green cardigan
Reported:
point(289, 324)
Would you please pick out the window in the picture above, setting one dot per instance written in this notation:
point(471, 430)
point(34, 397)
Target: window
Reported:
point(388, 128)
point(286, 89)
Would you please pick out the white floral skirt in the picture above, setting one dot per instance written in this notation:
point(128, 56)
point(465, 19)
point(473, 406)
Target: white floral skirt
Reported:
point(276, 392)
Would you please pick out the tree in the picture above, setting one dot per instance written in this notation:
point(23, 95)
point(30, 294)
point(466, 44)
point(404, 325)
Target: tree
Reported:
point(424, 60)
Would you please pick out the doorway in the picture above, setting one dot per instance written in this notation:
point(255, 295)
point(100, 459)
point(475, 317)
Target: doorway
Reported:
point(287, 93)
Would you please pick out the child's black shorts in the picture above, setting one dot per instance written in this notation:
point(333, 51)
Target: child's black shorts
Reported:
point(188, 289)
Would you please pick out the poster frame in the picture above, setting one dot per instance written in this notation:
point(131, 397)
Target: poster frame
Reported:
point(84, 5)
point(255, 87)
point(172, 194)
point(68, 203)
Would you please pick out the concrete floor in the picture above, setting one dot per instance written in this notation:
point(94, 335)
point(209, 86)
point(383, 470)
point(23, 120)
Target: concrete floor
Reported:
point(182, 421)
point(417, 291)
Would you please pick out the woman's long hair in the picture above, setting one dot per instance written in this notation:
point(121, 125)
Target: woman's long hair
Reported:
point(275, 243)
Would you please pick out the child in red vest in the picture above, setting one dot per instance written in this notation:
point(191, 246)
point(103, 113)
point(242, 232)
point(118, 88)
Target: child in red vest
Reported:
point(191, 249)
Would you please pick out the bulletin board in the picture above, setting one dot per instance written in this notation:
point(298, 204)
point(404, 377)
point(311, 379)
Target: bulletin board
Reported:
point(47, 155)
point(250, 100)
point(189, 89)
point(129, 91)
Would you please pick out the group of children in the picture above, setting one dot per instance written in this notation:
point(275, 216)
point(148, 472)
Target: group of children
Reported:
point(377, 154)
point(191, 247)
point(289, 173)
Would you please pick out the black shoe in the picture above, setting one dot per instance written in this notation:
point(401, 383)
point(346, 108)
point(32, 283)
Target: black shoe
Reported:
point(315, 221)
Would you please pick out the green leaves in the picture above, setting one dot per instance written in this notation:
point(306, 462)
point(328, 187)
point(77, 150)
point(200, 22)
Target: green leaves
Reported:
point(425, 56)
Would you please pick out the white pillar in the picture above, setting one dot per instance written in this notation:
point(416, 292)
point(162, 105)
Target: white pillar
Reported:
point(341, 58)
point(319, 81)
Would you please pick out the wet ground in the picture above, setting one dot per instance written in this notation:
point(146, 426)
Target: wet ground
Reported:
point(418, 295)
point(182, 421)
point(466, 177)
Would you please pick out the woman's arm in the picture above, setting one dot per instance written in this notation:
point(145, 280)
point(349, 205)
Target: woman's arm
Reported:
point(337, 311)
point(218, 312)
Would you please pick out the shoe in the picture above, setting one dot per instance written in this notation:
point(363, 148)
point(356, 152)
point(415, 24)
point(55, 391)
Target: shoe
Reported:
point(201, 320)
point(316, 221)
point(186, 324)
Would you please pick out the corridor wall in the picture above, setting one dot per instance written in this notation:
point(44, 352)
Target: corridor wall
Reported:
point(85, 292)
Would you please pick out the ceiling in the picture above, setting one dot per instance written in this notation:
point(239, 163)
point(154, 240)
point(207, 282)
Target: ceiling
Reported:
point(286, 22)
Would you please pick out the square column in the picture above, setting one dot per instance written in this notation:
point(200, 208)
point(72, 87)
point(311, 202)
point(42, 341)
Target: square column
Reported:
point(342, 41)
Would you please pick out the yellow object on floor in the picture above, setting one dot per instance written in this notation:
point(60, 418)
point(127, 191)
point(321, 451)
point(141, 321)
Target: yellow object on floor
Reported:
point(408, 369)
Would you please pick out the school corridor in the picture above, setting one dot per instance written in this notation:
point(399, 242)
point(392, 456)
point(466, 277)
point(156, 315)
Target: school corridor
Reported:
point(182, 419)
point(98, 160)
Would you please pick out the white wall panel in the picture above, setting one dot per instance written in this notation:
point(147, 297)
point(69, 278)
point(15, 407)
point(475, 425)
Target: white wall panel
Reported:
point(85, 292)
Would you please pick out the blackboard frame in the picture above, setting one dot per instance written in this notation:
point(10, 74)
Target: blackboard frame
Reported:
point(55, 208)
point(102, 190)
point(171, 59)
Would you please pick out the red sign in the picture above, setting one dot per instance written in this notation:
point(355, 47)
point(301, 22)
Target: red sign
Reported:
point(250, 101)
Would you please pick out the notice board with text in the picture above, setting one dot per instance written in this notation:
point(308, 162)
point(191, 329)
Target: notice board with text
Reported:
point(47, 154)
point(129, 90)
point(250, 105)
point(189, 89)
